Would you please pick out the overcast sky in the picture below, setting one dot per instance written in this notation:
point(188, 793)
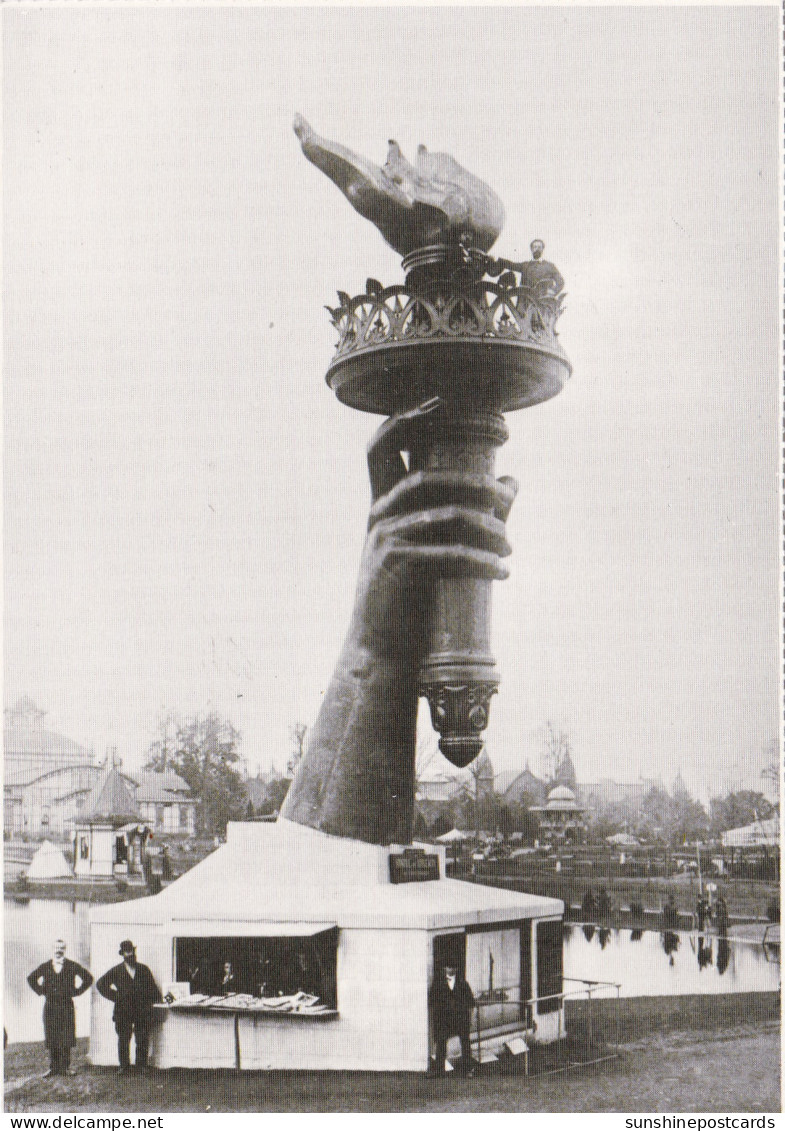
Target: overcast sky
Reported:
point(185, 499)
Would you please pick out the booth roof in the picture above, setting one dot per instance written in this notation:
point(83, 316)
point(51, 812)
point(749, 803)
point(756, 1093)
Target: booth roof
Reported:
point(283, 873)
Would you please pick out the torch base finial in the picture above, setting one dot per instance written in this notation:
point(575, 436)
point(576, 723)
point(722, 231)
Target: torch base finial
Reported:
point(459, 712)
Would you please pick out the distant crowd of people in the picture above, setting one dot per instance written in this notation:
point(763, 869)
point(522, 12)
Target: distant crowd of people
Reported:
point(598, 908)
point(715, 913)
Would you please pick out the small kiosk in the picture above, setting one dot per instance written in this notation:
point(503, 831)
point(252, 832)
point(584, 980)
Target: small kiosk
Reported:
point(109, 841)
point(332, 945)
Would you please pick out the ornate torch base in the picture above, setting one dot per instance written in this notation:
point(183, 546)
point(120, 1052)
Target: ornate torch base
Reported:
point(483, 348)
point(459, 675)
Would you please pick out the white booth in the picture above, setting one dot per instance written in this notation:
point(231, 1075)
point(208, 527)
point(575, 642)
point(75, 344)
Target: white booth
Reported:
point(332, 945)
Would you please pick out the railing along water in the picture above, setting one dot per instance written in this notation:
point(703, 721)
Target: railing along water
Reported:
point(609, 1049)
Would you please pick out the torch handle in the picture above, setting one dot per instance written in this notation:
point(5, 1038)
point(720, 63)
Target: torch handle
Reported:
point(459, 675)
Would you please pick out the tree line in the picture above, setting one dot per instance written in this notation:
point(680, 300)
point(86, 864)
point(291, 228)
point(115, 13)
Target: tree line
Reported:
point(204, 750)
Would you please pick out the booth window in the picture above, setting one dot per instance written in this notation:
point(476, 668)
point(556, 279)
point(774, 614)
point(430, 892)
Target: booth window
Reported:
point(263, 966)
point(494, 953)
point(549, 965)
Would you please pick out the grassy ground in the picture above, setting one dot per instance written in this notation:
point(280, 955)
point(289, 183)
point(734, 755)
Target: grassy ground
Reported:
point(708, 1072)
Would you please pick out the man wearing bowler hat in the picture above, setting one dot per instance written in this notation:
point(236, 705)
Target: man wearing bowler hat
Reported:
point(451, 1003)
point(132, 988)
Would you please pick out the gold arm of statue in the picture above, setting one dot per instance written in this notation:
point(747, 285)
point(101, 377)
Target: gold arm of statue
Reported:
point(435, 201)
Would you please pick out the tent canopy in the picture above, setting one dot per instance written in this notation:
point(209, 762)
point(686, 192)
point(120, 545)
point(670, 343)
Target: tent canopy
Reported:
point(624, 840)
point(48, 863)
point(453, 835)
point(765, 833)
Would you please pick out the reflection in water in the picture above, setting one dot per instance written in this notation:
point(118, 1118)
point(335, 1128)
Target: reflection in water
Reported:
point(653, 964)
point(670, 944)
point(705, 955)
point(588, 931)
point(603, 936)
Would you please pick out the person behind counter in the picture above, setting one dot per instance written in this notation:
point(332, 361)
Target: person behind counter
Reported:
point(132, 988)
point(58, 982)
point(228, 980)
point(306, 975)
point(291, 970)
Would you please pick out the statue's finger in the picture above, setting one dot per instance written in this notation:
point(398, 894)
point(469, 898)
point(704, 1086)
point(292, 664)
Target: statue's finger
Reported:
point(431, 563)
point(422, 489)
point(507, 493)
point(385, 468)
point(385, 464)
point(449, 526)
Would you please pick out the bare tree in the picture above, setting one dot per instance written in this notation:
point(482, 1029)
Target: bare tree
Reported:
point(427, 750)
point(163, 747)
point(297, 733)
point(772, 772)
point(557, 748)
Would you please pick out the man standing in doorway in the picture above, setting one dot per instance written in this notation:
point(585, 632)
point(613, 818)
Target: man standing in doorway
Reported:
point(132, 988)
point(56, 981)
point(451, 1003)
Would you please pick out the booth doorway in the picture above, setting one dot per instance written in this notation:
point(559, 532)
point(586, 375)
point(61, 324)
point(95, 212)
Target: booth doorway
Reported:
point(496, 960)
point(450, 950)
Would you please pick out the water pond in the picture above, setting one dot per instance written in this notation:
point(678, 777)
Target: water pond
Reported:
point(660, 964)
point(645, 962)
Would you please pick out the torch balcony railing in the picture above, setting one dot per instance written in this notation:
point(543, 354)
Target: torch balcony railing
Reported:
point(483, 311)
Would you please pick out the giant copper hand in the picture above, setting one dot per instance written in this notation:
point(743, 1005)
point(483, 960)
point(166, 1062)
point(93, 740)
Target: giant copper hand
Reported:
point(434, 201)
point(470, 349)
point(357, 777)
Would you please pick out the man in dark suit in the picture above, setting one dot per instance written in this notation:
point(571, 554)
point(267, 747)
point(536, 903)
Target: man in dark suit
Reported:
point(539, 274)
point(451, 1003)
point(56, 981)
point(132, 988)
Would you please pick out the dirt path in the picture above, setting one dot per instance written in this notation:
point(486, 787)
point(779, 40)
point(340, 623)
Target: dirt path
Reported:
point(733, 1071)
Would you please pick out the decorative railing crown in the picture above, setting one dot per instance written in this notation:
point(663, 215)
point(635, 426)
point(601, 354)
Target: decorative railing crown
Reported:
point(474, 310)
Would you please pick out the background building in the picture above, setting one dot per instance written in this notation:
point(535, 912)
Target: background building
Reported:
point(48, 780)
point(165, 802)
point(561, 819)
point(47, 776)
